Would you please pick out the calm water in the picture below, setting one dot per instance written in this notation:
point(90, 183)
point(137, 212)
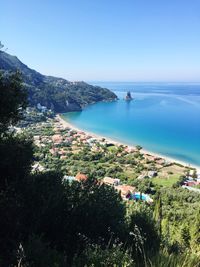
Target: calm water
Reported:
point(163, 118)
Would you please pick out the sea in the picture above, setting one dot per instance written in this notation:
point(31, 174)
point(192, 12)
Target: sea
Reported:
point(163, 118)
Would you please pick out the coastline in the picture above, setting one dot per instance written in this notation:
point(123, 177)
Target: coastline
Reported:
point(66, 123)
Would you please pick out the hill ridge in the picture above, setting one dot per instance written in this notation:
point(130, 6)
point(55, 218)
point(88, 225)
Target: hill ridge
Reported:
point(55, 93)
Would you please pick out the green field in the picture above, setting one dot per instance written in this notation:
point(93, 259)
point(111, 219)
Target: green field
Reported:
point(163, 181)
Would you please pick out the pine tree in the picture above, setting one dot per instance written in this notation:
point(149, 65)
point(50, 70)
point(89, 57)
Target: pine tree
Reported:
point(158, 213)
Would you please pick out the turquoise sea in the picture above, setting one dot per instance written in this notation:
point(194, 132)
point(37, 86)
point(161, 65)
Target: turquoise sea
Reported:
point(163, 118)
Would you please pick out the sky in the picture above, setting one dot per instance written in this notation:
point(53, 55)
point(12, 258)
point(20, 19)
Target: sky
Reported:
point(105, 40)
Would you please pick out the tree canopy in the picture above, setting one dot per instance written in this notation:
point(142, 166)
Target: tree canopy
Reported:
point(13, 100)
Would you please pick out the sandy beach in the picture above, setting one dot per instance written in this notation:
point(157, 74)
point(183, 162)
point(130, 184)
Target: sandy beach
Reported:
point(110, 140)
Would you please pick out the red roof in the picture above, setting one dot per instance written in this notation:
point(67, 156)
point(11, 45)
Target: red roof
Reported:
point(125, 189)
point(57, 138)
point(81, 177)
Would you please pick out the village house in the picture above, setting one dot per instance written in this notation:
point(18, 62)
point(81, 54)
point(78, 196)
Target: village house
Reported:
point(129, 149)
point(149, 157)
point(54, 151)
point(37, 139)
point(125, 190)
point(62, 152)
point(95, 148)
point(63, 157)
point(81, 177)
point(160, 161)
point(68, 178)
point(41, 108)
point(57, 139)
point(37, 167)
point(111, 181)
point(191, 182)
point(152, 174)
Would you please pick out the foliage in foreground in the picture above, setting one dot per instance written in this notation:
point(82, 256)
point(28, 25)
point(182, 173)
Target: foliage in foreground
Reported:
point(117, 257)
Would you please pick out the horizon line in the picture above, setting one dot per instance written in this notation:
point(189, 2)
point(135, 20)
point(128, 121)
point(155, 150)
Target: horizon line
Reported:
point(139, 81)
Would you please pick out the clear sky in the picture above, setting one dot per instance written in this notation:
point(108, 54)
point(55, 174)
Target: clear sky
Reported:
point(105, 40)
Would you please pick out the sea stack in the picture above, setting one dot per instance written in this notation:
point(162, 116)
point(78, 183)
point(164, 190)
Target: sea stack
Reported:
point(128, 96)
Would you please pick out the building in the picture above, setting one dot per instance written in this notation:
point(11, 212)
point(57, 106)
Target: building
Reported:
point(149, 157)
point(53, 151)
point(125, 190)
point(152, 174)
point(190, 188)
point(80, 177)
point(57, 139)
point(37, 167)
point(41, 108)
point(190, 182)
point(111, 181)
point(68, 178)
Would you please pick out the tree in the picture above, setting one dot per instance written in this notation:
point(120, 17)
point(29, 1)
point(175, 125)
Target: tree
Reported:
point(35, 252)
point(109, 257)
point(158, 213)
point(141, 231)
point(96, 215)
point(13, 100)
point(16, 155)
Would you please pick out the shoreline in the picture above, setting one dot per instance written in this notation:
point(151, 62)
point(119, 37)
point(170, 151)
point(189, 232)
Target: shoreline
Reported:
point(118, 143)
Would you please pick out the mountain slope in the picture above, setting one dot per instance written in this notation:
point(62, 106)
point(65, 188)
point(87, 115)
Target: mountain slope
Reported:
point(56, 93)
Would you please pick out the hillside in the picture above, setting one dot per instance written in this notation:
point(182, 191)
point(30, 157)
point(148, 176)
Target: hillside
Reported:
point(56, 93)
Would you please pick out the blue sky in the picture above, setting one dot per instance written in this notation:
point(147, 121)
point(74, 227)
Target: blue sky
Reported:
point(105, 40)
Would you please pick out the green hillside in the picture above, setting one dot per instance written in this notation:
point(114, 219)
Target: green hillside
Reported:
point(57, 94)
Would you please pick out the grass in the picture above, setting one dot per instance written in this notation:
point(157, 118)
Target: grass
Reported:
point(183, 260)
point(130, 174)
point(112, 149)
point(167, 182)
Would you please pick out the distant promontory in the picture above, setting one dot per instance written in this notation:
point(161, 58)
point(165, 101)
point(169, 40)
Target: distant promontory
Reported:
point(57, 94)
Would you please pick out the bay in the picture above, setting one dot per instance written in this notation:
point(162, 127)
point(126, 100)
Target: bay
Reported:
point(163, 118)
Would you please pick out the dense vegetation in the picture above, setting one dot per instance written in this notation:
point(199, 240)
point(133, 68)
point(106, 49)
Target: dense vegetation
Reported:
point(57, 94)
point(45, 221)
